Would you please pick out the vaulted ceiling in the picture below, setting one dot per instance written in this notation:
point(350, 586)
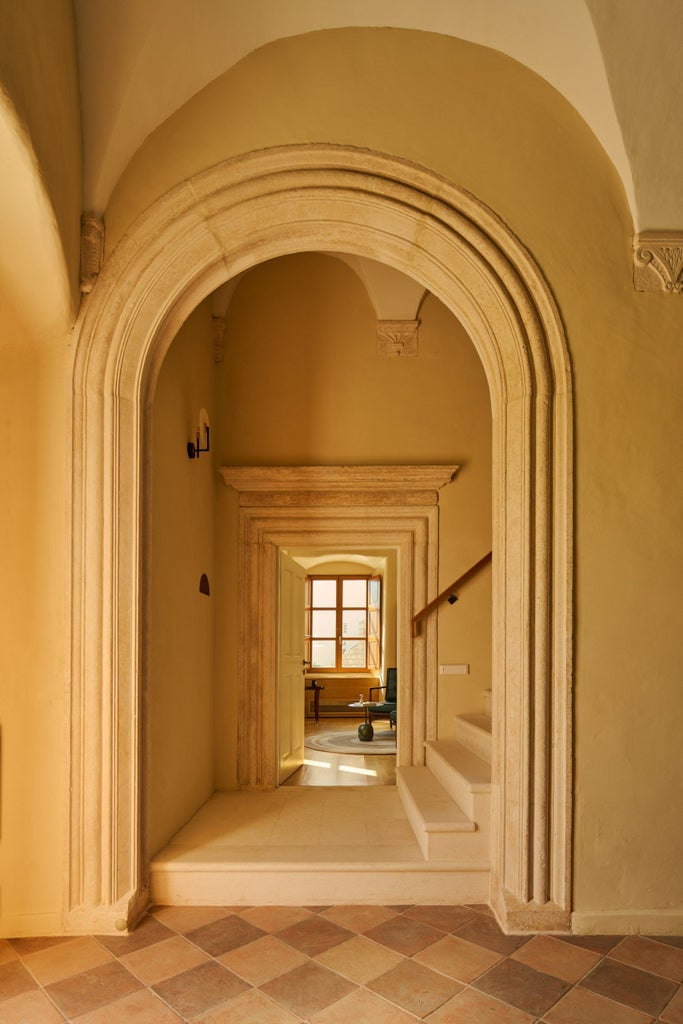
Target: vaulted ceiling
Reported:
point(615, 61)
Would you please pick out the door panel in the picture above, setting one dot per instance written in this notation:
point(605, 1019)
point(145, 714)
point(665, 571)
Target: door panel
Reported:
point(291, 667)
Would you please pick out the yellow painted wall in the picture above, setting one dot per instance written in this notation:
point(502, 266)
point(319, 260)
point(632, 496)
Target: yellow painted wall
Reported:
point(34, 631)
point(39, 72)
point(179, 677)
point(40, 170)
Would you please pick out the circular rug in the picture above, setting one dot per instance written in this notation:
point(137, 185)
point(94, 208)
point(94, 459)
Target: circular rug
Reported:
point(384, 742)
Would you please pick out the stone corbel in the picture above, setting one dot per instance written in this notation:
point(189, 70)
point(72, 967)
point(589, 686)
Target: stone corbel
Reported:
point(397, 337)
point(658, 262)
point(92, 251)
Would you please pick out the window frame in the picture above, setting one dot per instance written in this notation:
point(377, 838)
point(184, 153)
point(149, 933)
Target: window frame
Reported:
point(339, 608)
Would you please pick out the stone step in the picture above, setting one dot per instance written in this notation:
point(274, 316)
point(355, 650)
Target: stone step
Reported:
point(474, 732)
point(465, 777)
point(442, 829)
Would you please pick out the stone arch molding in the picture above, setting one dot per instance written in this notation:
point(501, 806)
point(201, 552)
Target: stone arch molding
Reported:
point(205, 231)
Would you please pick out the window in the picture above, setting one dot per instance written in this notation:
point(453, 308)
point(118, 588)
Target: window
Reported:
point(343, 623)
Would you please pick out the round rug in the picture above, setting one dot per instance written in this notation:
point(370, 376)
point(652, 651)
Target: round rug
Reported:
point(384, 742)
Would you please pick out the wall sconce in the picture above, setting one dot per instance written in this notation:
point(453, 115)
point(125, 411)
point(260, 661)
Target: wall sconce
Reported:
point(194, 448)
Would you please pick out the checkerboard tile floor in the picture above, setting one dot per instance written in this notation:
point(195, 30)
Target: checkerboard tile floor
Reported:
point(339, 965)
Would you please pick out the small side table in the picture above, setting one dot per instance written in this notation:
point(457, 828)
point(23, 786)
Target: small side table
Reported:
point(316, 687)
point(365, 729)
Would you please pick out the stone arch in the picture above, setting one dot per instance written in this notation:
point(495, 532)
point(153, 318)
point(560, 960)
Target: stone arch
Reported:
point(218, 224)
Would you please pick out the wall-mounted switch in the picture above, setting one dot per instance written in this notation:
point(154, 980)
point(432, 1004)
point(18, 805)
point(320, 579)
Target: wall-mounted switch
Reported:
point(454, 670)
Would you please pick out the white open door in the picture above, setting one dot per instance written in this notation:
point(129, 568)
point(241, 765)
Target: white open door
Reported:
point(291, 668)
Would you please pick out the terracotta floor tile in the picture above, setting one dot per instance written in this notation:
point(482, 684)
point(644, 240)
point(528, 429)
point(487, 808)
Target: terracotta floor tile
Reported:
point(403, 935)
point(227, 933)
point(163, 960)
point(148, 931)
point(25, 946)
point(580, 1006)
point(262, 960)
point(6, 952)
point(458, 958)
point(359, 919)
point(73, 957)
point(315, 935)
point(521, 986)
point(656, 957)
point(546, 954)
point(274, 919)
point(673, 1012)
point(471, 1007)
point(251, 1007)
point(596, 943)
point(30, 1008)
point(485, 931)
point(415, 988)
point(360, 959)
point(365, 1007)
point(446, 919)
point(670, 940)
point(188, 919)
point(200, 989)
point(15, 979)
point(139, 1008)
point(92, 989)
point(307, 989)
point(629, 985)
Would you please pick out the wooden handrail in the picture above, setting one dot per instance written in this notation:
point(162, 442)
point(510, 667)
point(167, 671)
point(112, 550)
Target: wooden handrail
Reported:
point(448, 592)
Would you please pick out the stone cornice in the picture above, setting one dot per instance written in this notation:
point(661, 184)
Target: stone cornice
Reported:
point(658, 262)
point(337, 478)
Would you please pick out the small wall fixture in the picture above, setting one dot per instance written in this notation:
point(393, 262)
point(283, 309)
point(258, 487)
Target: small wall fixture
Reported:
point(195, 448)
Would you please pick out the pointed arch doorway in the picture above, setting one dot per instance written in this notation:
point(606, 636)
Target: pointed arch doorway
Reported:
point(225, 221)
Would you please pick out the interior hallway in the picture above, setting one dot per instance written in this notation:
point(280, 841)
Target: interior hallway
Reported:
point(327, 769)
point(339, 965)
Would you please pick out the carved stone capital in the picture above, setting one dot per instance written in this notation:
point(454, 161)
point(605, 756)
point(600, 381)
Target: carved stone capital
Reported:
point(397, 337)
point(658, 262)
point(218, 338)
point(92, 251)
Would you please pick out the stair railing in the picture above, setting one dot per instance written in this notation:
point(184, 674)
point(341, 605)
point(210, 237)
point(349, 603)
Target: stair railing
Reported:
point(448, 594)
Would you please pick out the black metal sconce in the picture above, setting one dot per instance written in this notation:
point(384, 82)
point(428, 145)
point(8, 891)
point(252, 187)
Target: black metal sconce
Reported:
point(194, 449)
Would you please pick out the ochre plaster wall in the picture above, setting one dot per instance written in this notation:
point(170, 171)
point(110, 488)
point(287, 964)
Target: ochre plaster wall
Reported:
point(39, 250)
point(179, 674)
point(39, 72)
point(494, 128)
point(34, 629)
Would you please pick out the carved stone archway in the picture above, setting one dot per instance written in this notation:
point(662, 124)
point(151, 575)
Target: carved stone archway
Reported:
point(205, 231)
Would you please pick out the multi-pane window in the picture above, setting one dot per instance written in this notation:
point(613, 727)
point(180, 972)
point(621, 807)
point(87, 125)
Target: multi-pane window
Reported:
point(342, 623)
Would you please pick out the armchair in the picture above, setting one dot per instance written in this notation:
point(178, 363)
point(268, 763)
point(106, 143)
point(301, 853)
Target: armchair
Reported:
point(387, 709)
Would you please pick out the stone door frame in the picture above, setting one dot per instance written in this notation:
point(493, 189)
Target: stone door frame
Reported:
point(202, 233)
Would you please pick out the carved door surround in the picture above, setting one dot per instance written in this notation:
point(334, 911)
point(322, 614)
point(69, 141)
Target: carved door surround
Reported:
point(348, 508)
point(202, 233)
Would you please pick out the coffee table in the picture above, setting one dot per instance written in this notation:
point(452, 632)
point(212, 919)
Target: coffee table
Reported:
point(365, 730)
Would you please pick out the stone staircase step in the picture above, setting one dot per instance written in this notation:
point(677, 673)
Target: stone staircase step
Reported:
point(474, 732)
point(465, 777)
point(443, 830)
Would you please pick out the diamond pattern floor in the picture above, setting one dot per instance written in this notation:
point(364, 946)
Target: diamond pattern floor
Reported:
point(339, 965)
